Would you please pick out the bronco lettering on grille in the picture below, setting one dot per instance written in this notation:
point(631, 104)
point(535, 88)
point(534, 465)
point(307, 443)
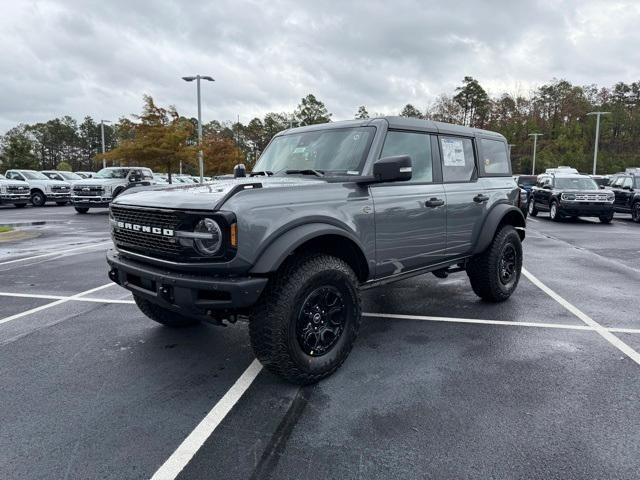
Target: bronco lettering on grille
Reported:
point(167, 232)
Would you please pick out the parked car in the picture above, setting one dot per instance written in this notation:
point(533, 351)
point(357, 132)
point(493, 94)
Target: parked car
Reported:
point(62, 176)
point(561, 169)
point(86, 174)
point(353, 205)
point(601, 180)
point(108, 183)
point(526, 182)
point(16, 192)
point(41, 188)
point(570, 195)
point(626, 188)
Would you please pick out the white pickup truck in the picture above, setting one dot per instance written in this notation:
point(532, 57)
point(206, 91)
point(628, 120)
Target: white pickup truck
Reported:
point(42, 188)
point(14, 191)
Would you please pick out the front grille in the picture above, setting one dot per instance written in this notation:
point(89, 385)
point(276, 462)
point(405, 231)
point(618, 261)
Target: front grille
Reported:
point(17, 189)
point(59, 189)
point(591, 197)
point(149, 244)
point(88, 190)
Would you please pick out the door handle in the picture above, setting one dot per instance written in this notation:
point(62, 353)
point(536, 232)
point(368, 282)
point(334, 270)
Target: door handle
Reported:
point(434, 202)
point(480, 198)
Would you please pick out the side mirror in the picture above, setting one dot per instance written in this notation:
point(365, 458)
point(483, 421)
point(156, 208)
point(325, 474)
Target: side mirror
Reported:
point(239, 171)
point(134, 179)
point(626, 187)
point(520, 185)
point(393, 169)
point(547, 186)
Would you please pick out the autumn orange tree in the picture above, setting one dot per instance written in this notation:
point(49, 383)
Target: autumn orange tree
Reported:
point(160, 139)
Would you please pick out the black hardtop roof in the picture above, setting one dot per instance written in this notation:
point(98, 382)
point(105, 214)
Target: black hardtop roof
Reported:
point(402, 123)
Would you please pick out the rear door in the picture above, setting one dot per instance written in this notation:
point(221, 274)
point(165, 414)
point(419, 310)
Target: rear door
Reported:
point(410, 216)
point(466, 197)
point(626, 194)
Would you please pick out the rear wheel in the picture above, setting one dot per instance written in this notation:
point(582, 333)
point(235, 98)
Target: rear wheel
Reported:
point(307, 319)
point(533, 211)
point(38, 199)
point(635, 212)
point(162, 315)
point(494, 274)
point(554, 214)
point(82, 209)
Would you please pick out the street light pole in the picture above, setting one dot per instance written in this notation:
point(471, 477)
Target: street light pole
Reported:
point(595, 148)
point(102, 122)
point(535, 145)
point(200, 157)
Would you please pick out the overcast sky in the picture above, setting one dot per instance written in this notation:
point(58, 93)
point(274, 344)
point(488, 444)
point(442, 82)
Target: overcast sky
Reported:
point(98, 58)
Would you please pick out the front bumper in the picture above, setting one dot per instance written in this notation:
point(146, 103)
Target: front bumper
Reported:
point(58, 196)
point(585, 209)
point(191, 295)
point(14, 198)
point(90, 202)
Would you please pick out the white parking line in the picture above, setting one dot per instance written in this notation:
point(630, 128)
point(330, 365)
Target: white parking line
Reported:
point(53, 304)
point(188, 448)
point(604, 332)
point(35, 257)
point(63, 297)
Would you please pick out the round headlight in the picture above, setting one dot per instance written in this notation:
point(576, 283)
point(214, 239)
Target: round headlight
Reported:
point(208, 246)
point(569, 196)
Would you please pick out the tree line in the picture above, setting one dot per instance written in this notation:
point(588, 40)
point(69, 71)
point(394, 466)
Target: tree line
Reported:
point(162, 139)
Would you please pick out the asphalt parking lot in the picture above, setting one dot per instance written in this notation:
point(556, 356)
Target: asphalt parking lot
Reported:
point(439, 384)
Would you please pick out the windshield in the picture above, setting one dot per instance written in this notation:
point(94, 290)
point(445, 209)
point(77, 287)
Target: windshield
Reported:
point(112, 173)
point(330, 151)
point(70, 176)
point(527, 181)
point(576, 183)
point(34, 175)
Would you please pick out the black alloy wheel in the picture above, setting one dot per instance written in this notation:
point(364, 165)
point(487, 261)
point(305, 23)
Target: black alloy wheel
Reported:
point(321, 320)
point(508, 264)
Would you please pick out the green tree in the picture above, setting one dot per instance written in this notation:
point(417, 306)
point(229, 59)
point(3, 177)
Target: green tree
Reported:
point(410, 111)
point(311, 111)
point(473, 101)
point(65, 167)
point(362, 113)
point(17, 149)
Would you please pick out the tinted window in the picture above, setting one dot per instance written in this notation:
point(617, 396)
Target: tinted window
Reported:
point(495, 160)
point(417, 146)
point(458, 160)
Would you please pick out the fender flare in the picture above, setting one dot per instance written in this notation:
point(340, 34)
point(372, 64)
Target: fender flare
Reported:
point(493, 220)
point(270, 259)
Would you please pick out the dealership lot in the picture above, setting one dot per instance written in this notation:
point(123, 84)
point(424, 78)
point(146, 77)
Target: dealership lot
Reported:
point(439, 385)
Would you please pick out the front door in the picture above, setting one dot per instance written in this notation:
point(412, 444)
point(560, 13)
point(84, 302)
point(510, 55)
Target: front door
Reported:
point(409, 216)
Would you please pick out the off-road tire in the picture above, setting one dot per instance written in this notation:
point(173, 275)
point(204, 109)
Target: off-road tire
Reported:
point(38, 199)
point(533, 211)
point(272, 325)
point(606, 218)
point(162, 315)
point(82, 210)
point(554, 211)
point(483, 269)
point(635, 212)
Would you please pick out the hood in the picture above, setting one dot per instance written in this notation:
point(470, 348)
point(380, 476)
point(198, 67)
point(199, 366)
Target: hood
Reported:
point(49, 181)
point(98, 181)
point(587, 192)
point(206, 196)
point(6, 181)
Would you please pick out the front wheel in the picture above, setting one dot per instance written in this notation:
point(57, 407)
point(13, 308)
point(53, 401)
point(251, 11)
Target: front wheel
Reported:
point(533, 211)
point(307, 319)
point(554, 214)
point(494, 274)
point(635, 212)
point(606, 218)
point(38, 199)
point(161, 315)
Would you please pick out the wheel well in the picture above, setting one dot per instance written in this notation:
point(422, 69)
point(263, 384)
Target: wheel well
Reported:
point(36, 190)
point(515, 219)
point(340, 247)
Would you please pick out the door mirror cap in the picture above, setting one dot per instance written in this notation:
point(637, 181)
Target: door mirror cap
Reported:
point(393, 169)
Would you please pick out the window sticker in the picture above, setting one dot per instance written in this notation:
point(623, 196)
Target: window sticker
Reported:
point(453, 152)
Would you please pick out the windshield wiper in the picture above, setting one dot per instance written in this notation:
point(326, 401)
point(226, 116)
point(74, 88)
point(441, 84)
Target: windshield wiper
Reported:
point(266, 173)
point(309, 171)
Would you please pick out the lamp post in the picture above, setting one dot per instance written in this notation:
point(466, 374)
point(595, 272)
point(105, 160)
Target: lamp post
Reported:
point(102, 122)
point(200, 159)
point(535, 145)
point(595, 148)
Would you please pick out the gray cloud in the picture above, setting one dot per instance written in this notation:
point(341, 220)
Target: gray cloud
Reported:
point(99, 58)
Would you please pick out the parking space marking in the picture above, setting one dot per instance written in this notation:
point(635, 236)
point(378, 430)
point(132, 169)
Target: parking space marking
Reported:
point(172, 467)
point(63, 297)
point(43, 255)
point(53, 304)
point(604, 332)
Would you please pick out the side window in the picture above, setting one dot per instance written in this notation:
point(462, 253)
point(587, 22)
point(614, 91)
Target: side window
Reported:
point(417, 146)
point(628, 183)
point(458, 159)
point(617, 182)
point(13, 176)
point(495, 160)
point(146, 174)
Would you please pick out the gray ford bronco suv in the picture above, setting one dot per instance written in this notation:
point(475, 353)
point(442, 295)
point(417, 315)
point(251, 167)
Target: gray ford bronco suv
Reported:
point(328, 211)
